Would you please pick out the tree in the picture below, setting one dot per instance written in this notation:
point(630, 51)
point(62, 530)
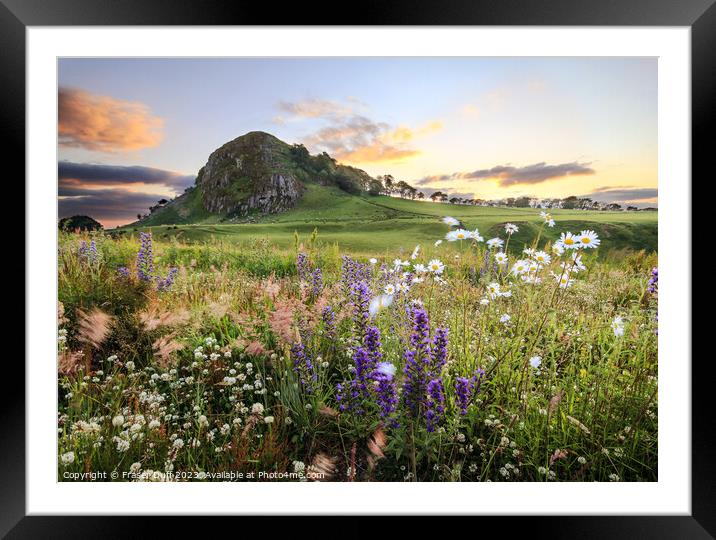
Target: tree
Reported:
point(82, 223)
point(421, 195)
point(437, 196)
point(570, 203)
point(375, 187)
point(388, 181)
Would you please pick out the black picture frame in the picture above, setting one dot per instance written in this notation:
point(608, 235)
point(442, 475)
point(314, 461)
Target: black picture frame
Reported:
point(699, 15)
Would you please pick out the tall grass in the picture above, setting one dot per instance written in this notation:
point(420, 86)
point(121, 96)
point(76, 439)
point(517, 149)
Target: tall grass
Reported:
point(236, 366)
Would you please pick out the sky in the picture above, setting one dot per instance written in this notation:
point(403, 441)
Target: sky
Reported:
point(134, 130)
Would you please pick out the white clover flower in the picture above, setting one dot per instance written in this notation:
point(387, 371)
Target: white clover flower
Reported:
point(129, 365)
point(122, 445)
point(118, 420)
point(581, 460)
point(178, 443)
point(257, 408)
point(135, 467)
point(299, 467)
point(67, 458)
point(268, 419)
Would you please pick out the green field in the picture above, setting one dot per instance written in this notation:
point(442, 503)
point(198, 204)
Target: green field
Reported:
point(379, 224)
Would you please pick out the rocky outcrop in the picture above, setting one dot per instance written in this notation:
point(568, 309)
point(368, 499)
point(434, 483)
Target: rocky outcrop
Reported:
point(249, 174)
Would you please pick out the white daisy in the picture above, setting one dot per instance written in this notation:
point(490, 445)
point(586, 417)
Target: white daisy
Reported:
point(457, 234)
point(450, 221)
point(493, 289)
point(414, 255)
point(373, 261)
point(436, 266)
point(564, 280)
point(420, 269)
point(438, 242)
point(519, 268)
point(500, 257)
point(588, 239)
point(542, 257)
point(389, 289)
point(511, 228)
point(495, 242)
point(569, 241)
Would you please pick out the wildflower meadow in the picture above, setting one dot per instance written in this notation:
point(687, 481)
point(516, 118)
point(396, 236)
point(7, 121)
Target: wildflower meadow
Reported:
point(466, 359)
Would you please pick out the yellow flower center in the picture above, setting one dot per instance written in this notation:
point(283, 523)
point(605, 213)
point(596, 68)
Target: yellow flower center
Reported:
point(586, 240)
point(568, 241)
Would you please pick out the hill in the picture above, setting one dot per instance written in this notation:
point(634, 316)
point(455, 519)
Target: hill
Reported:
point(257, 186)
point(366, 224)
point(254, 175)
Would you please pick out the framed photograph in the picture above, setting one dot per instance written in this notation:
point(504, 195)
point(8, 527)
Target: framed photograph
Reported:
point(435, 260)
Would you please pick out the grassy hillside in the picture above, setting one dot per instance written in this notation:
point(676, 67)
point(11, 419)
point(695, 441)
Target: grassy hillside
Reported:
point(376, 224)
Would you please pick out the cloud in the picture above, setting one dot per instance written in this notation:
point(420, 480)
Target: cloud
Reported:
point(508, 175)
point(625, 194)
point(358, 139)
point(108, 206)
point(315, 108)
point(352, 137)
point(105, 124)
point(89, 174)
